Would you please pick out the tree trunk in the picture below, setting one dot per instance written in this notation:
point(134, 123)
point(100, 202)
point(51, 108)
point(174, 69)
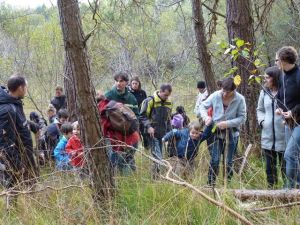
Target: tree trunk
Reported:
point(79, 69)
point(240, 25)
point(69, 86)
point(203, 55)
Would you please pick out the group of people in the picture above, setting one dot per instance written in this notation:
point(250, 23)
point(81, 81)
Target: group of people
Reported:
point(128, 116)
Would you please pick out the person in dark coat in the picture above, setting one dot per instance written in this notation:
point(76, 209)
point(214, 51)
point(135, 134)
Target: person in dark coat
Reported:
point(288, 98)
point(135, 88)
point(59, 101)
point(16, 145)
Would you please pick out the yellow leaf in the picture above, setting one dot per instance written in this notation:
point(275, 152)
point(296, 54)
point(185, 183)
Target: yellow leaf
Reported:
point(237, 80)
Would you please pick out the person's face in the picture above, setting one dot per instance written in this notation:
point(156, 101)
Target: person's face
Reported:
point(194, 134)
point(50, 114)
point(227, 94)
point(278, 62)
point(269, 81)
point(135, 85)
point(201, 90)
point(164, 95)
point(63, 120)
point(58, 93)
point(76, 131)
point(121, 84)
point(22, 91)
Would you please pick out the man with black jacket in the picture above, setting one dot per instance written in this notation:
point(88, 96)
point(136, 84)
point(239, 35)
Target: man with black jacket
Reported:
point(59, 101)
point(16, 148)
point(288, 98)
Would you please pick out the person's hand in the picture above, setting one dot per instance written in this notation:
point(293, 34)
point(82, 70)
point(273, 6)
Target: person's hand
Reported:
point(222, 125)
point(151, 131)
point(278, 111)
point(208, 121)
point(287, 114)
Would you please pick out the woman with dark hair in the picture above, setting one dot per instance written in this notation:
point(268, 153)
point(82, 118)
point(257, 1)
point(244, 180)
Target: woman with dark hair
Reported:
point(135, 87)
point(229, 113)
point(273, 131)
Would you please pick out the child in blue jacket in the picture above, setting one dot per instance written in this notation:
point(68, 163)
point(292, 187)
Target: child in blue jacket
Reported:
point(188, 140)
point(62, 158)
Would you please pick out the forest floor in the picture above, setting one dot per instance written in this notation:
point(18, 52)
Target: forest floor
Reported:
point(67, 199)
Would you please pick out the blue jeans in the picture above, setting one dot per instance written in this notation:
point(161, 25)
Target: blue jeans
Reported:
point(123, 161)
point(156, 151)
point(217, 148)
point(291, 156)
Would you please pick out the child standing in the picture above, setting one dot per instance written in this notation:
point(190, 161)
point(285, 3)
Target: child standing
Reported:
point(177, 124)
point(62, 159)
point(74, 147)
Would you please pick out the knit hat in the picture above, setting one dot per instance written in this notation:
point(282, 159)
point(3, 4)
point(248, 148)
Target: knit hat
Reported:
point(177, 121)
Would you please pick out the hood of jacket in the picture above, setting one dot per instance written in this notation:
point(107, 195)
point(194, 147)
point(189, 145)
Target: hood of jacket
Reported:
point(6, 98)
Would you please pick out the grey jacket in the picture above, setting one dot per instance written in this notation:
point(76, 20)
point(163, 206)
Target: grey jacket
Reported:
point(273, 134)
point(235, 114)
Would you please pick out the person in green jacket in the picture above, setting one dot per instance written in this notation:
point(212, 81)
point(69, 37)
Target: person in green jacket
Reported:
point(120, 92)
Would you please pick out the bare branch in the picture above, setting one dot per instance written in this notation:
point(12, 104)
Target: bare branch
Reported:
point(213, 11)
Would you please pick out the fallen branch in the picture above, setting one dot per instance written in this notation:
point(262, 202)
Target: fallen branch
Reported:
point(274, 207)
point(280, 195)
point(14, 193)
point(208, 198)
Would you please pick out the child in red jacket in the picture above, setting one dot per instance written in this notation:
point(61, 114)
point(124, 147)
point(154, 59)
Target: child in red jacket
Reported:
point(74, 147)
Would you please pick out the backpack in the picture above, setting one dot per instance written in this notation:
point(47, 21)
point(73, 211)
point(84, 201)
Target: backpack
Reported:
point(121, 118)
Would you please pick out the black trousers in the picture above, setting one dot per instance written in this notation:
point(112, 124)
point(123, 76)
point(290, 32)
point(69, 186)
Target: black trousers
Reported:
point(271, 158)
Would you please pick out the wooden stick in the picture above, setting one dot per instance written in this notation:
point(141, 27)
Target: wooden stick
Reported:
point(245, 159)
point(233, 213)
point(274, 207)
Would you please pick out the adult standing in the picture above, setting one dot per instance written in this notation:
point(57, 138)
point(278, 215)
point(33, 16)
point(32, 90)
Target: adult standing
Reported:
point(59, 101)
point(273, 134)
point(135, 88)
point(229, 108)
point(121, 93)
point(289, 98)
point(155, 115)
point(202, 95)
point(15, 139)
point(123, 160)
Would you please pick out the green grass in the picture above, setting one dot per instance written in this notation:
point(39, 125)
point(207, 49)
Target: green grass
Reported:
point(140, 200)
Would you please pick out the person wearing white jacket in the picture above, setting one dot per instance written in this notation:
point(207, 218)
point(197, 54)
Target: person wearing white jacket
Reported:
point(273, 131)
point(202, 95)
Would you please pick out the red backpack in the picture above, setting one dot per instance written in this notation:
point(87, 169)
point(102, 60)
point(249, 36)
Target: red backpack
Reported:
point(121, 118)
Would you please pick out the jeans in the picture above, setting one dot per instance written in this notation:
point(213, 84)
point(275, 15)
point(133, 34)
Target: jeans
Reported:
point(291, 156)
point(271, 157)
point(123, 161)
point(156, 150)
point(218, 147)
